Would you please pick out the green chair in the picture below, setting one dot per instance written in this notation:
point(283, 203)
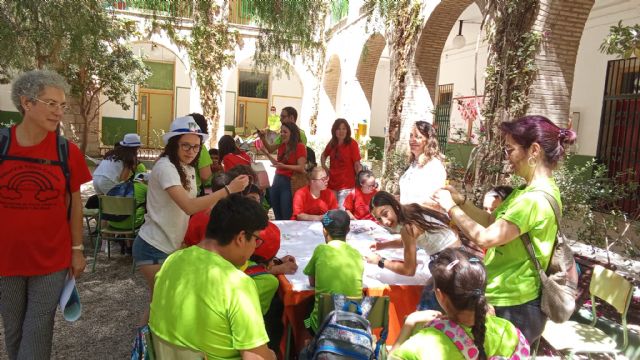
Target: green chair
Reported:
point(378, 316)
point(572, 337)
point(113, 205)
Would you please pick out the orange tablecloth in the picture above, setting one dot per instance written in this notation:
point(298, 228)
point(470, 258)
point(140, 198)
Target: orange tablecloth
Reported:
point(297, 304)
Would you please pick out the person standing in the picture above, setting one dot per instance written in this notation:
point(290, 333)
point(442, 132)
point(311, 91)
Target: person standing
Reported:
point(344, 160)
point(287, 115)
point(40, 215)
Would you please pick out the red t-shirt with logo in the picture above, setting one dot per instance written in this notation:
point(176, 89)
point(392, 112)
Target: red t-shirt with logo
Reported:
point(36, 235)
point(232, 160)
point(358, 203)
point(342, 175)
point(292, 159)
point(304, 203)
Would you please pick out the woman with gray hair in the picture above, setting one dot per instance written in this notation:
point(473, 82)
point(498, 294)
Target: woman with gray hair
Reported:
point(40, 214)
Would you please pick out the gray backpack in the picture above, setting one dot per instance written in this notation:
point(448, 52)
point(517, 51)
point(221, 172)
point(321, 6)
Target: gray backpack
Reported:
point(344, 334)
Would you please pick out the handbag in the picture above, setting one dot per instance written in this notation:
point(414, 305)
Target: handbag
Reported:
point(262, 178)
point(560, 282)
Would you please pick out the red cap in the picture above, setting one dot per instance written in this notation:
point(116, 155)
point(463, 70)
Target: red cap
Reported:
point(271, 245)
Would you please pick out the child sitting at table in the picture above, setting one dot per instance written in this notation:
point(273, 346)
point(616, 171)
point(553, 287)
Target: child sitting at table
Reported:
point(198, 221)
point(311, 202)
point(335, 267)
point(357, 202)
point(460, 282)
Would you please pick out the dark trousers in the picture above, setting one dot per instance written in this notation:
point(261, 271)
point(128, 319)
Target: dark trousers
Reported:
point(527, 317)
point(273, 323)
point(281, 198)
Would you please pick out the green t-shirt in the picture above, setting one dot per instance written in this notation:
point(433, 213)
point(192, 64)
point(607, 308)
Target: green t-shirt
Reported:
point(140, 194)
point(140, 168)
point(501, 339)
point(337, 268)
point(203, 302)
point(204, 160)
point(511, 276)
point(267, 285)
point(303, 138)
point(274, 122)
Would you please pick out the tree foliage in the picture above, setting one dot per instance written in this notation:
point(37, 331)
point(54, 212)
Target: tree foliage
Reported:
point(78, 39)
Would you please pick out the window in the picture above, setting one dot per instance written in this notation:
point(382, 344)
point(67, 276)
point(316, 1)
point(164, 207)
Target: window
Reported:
point(254, 85)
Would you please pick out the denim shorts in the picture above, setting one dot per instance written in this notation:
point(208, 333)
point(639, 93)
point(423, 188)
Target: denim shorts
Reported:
point(146, 254)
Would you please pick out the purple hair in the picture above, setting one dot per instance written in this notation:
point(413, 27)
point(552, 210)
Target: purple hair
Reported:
point(536, 128)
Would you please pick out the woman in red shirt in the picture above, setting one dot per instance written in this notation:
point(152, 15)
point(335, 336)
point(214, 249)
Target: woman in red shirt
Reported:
point(357, 202)
point(344, 160)
point(230, 154)
point(292, 156)
point(314, 200)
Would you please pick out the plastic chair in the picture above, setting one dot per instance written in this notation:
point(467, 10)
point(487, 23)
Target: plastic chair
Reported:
point(378, 316)
point(164, 350)
point(113, 205)
point(574, 337)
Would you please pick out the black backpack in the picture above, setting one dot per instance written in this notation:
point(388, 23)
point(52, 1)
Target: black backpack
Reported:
point(63, 158)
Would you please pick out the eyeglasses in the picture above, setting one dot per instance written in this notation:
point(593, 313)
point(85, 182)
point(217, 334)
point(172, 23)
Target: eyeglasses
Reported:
point(259, 240)
point(188, 147)
point(326, 178)
point(54, 105)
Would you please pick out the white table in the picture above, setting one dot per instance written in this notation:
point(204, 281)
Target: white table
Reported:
point(300, 238)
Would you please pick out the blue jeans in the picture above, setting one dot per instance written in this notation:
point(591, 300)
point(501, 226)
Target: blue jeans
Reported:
point(281, 198)
point(527, 317)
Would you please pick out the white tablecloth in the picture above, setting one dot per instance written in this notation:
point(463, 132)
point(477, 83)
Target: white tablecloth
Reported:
point(300, 238)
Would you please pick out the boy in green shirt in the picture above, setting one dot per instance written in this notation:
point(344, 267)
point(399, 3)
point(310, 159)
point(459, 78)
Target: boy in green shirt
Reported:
point(334, 257)
point(202, 301)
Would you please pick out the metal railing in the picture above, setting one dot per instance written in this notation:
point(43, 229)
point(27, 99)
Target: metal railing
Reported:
point(164, 7)
point(241, 12)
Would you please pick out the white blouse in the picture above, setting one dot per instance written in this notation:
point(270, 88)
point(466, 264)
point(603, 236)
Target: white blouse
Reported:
point(419, 183)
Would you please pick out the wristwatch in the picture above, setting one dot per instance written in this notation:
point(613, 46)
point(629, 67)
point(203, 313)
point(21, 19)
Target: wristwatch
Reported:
point(381, 262)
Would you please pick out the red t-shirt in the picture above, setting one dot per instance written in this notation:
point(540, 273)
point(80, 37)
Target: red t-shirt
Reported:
point(292, 159)
point(232, 160)
point(358, 203)
point(342, 175)
point(197, 227)
point(303, 202)
point(36, 235)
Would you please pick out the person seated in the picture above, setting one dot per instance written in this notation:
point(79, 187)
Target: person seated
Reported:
point(335, 257)
point(312, 201)
point(465, 326)
point(357, 202)
point(494, 197)
point(216, 167)
point(216, 310)
point(140, 195)
point(198, 221)
point(118, 164)
point(230, 155)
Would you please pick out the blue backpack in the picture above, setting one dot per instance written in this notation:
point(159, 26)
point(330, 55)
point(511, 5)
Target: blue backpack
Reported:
point(124, 189)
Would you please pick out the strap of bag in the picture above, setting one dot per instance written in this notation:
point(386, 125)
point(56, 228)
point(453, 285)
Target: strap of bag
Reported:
point(458, 337)
point(527, 240)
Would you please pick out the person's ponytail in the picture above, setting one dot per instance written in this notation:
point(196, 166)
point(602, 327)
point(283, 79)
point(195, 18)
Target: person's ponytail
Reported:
point(479, 328)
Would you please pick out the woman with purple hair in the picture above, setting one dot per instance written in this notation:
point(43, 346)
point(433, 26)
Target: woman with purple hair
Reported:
point(533, 146)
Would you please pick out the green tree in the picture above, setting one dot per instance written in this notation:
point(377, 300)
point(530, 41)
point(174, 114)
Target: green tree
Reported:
point(81, 41)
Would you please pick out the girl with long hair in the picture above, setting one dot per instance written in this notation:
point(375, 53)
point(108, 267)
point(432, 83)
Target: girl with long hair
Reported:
point(426, 172)
point(292, 157)
point(344, 160)
point(533, 147)
point(230, 155)
point(171, 197)
point(117, 165)
point(465, 330)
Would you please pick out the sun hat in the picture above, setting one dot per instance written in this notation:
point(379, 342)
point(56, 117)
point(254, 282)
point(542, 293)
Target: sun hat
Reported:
point(131, 140)
point(271, 244)
point(184, 125)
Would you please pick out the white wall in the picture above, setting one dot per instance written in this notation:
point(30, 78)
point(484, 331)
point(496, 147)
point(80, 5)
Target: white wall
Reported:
point(591, 68)
point(380, 97)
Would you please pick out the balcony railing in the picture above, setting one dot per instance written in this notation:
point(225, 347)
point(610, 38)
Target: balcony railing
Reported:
point(164, 7)
point(241, 12)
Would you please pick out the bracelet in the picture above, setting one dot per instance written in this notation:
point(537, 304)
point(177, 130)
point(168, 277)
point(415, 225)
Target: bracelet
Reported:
point(78, 247)
point(226, 188)
point(453, 207)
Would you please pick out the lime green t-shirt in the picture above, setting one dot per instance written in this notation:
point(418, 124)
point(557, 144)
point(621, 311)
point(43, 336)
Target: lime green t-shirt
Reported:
point(267, 285)
point(140, 194)
point(201, 301)
point(274, 122)
point(337, 268)
point(204, 160)
point(303, 138)
point(511, 276)
point(501, 339)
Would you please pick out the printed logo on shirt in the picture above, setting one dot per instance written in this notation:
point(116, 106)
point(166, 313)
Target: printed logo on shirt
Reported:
point(30, 187)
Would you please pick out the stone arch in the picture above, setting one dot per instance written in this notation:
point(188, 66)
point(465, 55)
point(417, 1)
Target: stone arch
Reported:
point(331, 80)
point(369, 58)
point(562, 24)
point(433, 38)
